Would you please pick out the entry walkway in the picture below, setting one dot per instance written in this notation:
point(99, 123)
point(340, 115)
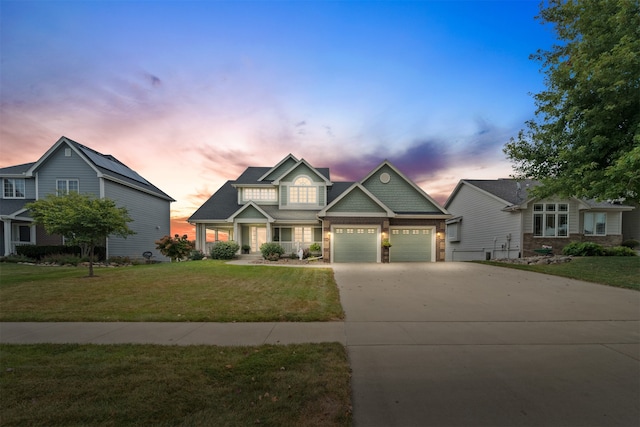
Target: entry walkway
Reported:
point(171, 333)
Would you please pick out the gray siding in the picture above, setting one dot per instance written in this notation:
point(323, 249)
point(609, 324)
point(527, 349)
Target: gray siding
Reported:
point(482, 221)
point(151, 221)
point(58, 166)
point(357, 201)
point(398, 194)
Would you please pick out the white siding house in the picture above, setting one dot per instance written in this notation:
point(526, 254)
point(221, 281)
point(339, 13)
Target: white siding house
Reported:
point(498, 219)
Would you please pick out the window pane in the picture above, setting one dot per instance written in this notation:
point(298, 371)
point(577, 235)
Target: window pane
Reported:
point(538, 208)
point(550, 225)
point(61, 187)
point(537, 225)
point(550, 207)
point(8, 188)
point(24, 232)
point(601, 223)
point(19, 184)
point(73, 186)
point(563, 207)
point(588, 223)
point(563, 225)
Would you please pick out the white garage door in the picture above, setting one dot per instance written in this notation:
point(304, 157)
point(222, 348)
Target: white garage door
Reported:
point(355, 244)
point(411, 244)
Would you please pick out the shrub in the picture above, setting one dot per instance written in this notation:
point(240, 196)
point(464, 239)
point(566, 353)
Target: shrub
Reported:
point(315, 247)
point(196, 255)
point(16, 258)
point(62, 259)
point(271, 251)
point(176, 248)
point(631, 243)
point(619, 251)
point(224, 250)
point(37, 252)
point(583, 249)
point(121, 260)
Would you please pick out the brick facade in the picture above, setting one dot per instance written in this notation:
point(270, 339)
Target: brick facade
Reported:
point(530, 243)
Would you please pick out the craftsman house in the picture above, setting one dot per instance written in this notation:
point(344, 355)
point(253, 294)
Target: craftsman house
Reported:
point(296, 204)
point(71, 167)
point(498, 219)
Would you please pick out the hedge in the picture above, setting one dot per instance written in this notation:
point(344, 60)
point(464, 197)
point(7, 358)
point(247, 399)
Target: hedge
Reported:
point(38, 252)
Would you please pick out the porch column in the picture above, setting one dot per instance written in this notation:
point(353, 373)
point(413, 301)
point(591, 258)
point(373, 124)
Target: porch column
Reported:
point(269, 238)
point(7, 236)
point(201, 237)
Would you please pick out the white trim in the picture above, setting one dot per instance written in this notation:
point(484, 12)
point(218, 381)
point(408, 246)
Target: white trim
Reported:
point(280, 163)
point(388, 211)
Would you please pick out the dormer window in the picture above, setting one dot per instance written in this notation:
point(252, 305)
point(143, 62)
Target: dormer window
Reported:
point(303, 191)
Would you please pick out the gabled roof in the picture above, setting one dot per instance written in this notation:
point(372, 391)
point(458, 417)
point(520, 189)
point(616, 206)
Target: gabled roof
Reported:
point(248, 206)
point(15, 171)
point(515, 193)
point(357, 187)
point(386, 164)
point(317, 171)
point(220, 206)
point(288, 159)
point(105, 165)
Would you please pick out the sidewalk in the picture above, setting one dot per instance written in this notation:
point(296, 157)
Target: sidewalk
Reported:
point(172, 333)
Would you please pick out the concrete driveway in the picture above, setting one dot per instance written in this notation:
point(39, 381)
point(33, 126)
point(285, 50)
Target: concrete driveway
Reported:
point(460, 344)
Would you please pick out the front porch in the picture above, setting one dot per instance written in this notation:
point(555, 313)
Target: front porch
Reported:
point(291, 237)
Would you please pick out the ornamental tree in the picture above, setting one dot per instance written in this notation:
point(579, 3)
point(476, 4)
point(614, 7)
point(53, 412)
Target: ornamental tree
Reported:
point(585, 138)
point(82, 220)
point(176, 248)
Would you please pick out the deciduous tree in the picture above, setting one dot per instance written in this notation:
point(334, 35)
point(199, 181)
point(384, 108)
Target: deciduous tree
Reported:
point(81, 219)
point(585, 138)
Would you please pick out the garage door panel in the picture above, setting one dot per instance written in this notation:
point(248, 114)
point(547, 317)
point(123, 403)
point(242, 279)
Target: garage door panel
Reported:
point(410, 245)
point(355, 244)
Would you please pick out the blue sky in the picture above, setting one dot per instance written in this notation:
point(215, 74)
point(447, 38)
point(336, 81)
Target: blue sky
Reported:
point(190, 93)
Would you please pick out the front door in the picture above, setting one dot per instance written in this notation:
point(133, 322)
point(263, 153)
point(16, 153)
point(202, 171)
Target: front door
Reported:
point(258, 237)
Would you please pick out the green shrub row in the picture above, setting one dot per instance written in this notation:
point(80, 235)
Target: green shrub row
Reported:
point(594, 249)
point(38, 253)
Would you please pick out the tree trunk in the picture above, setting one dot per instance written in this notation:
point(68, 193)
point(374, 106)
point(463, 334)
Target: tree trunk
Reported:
point(91, 261)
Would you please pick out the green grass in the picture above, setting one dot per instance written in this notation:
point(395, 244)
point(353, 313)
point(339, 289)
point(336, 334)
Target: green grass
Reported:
point(203, 291)
point(623, 272)
point(147, 385)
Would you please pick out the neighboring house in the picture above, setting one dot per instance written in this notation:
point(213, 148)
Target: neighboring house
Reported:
point(296, 204)
point(498, 219)
point(71, 167)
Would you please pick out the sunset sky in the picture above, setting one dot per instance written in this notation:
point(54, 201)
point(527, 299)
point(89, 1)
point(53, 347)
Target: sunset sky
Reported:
point(190, 93)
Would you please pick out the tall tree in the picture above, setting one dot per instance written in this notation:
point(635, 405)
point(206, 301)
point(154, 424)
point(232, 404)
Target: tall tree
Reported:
point(81, 219)
point(585, 138)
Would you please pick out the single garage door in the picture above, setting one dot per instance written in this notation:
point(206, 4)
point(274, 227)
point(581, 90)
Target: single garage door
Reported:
point(355, 244)
point(410, 244)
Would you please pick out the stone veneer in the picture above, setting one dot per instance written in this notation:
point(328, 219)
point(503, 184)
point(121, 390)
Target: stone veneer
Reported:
point(530, 243)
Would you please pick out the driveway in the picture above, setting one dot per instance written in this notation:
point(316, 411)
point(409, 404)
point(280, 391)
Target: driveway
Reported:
point(460, 344)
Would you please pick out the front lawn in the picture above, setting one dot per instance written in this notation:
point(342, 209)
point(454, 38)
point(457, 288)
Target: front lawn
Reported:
point(149, 385)
point(198, 291)
point(623, 272)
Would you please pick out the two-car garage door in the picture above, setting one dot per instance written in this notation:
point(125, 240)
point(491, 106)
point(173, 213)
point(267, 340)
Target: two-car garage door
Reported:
point(361, 244)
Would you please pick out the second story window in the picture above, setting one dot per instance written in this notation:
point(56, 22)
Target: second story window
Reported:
point(303, 191)
point(260, 194)
point(14, 188)
point(66, 186)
